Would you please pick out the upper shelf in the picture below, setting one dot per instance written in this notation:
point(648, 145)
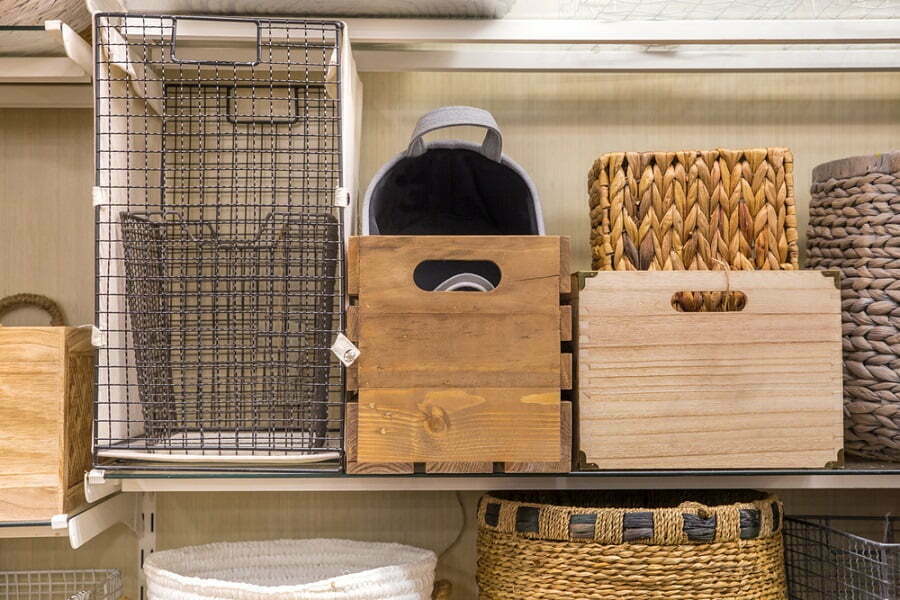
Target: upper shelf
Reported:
point(389, 44)
point(57, 75)
point(71, 62)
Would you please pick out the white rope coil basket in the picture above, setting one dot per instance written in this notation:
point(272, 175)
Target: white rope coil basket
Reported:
point(313, 569)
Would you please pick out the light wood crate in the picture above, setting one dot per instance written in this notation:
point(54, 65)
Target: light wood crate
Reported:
point(459, 377)
point(46, 390)
point(663, 389)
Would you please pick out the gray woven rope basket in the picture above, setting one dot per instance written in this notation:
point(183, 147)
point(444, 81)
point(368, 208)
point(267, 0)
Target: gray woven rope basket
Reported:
point(854, 226)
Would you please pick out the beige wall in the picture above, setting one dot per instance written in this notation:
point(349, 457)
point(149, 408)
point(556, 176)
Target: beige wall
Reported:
point(554, 125)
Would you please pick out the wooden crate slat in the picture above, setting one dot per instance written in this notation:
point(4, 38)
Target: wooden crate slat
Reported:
point(506, 424)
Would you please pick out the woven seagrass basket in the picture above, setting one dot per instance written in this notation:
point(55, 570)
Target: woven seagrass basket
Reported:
point(638, 545)
point(703, 210)
point(854, 226)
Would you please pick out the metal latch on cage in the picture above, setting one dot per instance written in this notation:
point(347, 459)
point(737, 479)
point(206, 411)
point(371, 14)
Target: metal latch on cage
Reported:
point(345, 350)
point(341, 197)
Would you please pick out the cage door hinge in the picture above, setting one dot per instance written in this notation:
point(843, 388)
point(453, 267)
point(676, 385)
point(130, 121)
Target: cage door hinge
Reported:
point(98, 196)
point(345, 350)
point(341, 197)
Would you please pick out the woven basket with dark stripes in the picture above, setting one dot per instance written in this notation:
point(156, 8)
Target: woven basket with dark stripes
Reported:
point(670, 545)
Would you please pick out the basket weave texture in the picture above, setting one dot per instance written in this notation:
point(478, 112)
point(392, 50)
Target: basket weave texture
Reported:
point(312, 569)
point(702, 210)
point(854, 226)
point(605, 546)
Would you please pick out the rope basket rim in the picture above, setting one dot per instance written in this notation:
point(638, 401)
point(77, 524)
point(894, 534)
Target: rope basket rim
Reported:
point(394, 564)
point(856, 166)
point(742, 515)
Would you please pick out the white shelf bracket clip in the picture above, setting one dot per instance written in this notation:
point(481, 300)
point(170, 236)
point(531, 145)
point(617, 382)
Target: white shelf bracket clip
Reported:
point(341, 197)
point(98, 196)
point(59, 521)
point(97, 487)
point(98, 337)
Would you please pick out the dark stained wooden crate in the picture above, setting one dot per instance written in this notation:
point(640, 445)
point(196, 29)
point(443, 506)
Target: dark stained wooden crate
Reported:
point(458, 380)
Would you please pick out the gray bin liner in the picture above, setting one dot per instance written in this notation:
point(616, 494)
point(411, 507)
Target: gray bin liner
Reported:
point(452, 187)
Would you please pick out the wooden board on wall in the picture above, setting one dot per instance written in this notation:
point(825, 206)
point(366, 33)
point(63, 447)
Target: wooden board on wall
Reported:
point(758, 388)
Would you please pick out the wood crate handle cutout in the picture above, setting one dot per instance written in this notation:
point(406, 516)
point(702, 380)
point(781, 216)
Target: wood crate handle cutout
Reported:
point(658, 289)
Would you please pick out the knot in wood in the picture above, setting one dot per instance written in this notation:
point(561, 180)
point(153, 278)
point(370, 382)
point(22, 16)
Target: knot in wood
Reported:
point(436, 420)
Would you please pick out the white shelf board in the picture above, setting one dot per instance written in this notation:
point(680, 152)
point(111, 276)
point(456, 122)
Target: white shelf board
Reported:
point(301, 483)
point(397, 44)
point(61, 81)
point(575, 31)
point(650, 60)
point(561, 31)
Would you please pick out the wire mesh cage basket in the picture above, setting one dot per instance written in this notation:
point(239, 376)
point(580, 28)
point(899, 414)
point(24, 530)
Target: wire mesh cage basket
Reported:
point(220, 240)
point(825, 561)
point(94, 584)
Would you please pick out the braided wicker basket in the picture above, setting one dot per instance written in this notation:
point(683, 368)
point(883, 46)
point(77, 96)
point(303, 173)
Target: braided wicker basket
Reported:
point(854, 226)
point(703, 210)
point(641, 545)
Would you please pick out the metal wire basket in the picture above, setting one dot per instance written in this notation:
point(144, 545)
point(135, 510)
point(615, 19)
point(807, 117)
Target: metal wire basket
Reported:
point(61, 585)
point(219, 242)
point(826, 562)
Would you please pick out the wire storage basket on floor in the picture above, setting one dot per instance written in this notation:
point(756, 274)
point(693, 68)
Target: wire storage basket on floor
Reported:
point(221, 226)
point(825, 561)
point(94, 584)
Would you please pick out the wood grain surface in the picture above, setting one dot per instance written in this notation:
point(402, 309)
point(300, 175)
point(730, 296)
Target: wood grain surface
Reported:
point(46, 396)
point(529, 266)
point(563, 465)
point(458, 425)
point(660, 388)
point(459, 380)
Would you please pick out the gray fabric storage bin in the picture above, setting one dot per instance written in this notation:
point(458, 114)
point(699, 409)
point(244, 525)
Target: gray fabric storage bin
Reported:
point(452, 187)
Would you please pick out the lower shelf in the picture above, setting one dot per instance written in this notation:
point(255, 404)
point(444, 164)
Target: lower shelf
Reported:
point(854, 475)
point(79, 527)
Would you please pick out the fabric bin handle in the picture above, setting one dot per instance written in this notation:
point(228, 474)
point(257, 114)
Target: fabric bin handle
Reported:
point(457, 116)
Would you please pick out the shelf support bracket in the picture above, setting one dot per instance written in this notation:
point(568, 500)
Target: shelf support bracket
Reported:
point(88, 524)
point(78, 50)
